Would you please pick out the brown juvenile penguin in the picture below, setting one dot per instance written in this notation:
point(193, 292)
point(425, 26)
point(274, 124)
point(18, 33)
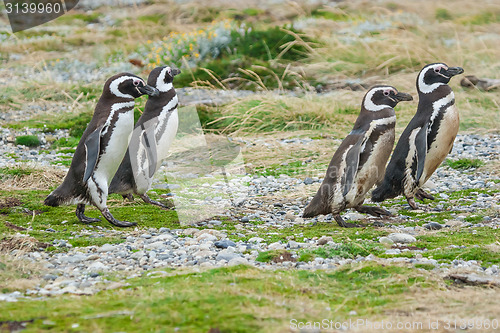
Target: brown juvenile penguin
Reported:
point(360, 160)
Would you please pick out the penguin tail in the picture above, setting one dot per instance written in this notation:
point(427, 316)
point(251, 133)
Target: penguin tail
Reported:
point(56, 198)
point(316, 207)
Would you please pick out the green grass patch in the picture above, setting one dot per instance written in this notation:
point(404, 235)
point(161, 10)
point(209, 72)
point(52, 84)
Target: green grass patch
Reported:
point(443, 14)
point(349, 250)
point(16, 171)
point(52, 217)
point(464, 163)
point(28, 140)
point(66, 142)
point(233, 299)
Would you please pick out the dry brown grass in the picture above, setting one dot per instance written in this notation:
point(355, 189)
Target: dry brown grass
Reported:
point(39, 177)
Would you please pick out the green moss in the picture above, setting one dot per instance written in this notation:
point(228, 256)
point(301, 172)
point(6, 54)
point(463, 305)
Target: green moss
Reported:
point(464, 163)
point(66, 142)
point(340, 16)
point(349, 250)
point(427, 267)
point(28, 140)
point(443, 14)
point(231, 299)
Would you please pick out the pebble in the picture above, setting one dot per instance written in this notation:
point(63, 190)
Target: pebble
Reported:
point(401, 238)
point(433, 226)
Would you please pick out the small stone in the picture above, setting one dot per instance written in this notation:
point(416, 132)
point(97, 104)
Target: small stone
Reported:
point(324, 239)
point(433, 226)
point(293, 245)
point(146, 236)
point(224, 244)
point(106, 248)
point(237, 261)
point(256, 240)
point(227, 255)
point(402, 238)
point(308, 181)
point(290, 215)
point(393, 251)
point(386, 240)
point(245, 219)
point(215, 222)
point(163, 230)
point(50, 230)
point(49, 277)
point(97, 266)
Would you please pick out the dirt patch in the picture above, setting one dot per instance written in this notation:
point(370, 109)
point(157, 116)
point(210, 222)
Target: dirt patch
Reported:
point(14, 326)
point(14, 227)
point(283, 256)
point(7, 203)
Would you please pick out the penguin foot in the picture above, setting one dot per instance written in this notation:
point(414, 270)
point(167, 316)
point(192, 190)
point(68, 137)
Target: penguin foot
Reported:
point(421, 195)
point(105, 212)
point(80, 214)
point(128, 197)
point(375, 211)
point(412, 203)
point(340, 221)
point(148, 200)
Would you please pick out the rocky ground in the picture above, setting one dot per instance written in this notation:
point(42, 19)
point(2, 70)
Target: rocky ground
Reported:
point(207, 244)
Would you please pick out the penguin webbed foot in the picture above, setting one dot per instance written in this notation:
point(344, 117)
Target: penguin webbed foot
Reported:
point(80, 214)
point(148, 200)
point(412, 203)
point(421, 195)
point(111, 219)
point(340, 221)
point(374, 211)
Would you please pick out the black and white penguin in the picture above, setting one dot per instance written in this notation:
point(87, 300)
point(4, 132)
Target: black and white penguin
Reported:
point(153, 134)
point(426, 140)
point(101, 148)
point(360, 160)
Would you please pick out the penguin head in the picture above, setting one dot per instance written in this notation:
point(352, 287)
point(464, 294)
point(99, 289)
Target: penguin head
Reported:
point(381, 97)
point(434, 75)
point(126, 85)
point(162, 77)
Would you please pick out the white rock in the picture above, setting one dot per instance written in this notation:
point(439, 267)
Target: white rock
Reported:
point(386, 240)
point(237, 261)
point(402, 238)
point(97, 266)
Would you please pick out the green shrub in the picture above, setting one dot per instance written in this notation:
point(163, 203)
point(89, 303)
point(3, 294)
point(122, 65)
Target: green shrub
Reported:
point(443, 14)
point(28, 140)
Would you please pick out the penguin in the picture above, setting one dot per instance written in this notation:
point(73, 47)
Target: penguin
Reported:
point(426, 140)
point(153, 134)
point(360, 160)
point(101, 148)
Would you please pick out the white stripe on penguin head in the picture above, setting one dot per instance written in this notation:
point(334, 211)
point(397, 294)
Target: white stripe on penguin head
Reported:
point(368, 103)
point(113, 87)
point(428, 88)
point(161, 85)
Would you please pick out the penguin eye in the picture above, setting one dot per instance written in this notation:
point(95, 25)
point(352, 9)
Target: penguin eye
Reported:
point(169, 71)
point(386, 93)
point(136, 83)
point(437, 70)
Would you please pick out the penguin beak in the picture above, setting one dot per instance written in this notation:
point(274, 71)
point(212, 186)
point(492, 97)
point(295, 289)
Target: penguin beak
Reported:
point(452, 71)
point(147, 89)
point(401, 96)
point(175, 71)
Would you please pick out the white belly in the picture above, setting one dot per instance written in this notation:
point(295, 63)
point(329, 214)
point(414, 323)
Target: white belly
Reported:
point(117, 147)
point(442, 144)
point(167, 137)
point(372, 171)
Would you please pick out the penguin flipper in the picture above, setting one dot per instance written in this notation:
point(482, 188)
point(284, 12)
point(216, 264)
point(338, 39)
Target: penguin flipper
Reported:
point(149, 142)
point(92, 149)
point(352, 163)
point(421, 147)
